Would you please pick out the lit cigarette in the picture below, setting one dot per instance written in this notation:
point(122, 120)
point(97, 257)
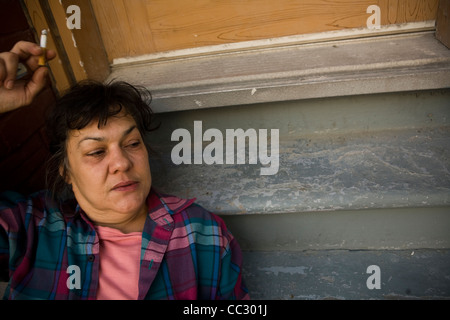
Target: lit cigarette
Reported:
point(43, 45)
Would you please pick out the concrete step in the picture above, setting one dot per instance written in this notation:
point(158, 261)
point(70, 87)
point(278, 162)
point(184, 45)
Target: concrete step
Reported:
point(347, 153)
point(345, 274)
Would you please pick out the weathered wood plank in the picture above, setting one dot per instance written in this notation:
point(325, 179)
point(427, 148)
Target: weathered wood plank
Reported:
point(39, 23)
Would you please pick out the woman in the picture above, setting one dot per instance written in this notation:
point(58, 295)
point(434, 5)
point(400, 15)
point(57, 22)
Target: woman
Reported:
point(118, 238)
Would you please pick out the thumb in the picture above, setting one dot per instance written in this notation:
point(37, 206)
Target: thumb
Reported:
point(36, 83)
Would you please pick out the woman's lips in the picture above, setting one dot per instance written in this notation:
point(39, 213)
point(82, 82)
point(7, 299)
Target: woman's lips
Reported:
point(126, 186)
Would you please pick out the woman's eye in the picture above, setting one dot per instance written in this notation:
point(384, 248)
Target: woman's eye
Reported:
point(96, 153)
point(134, 144)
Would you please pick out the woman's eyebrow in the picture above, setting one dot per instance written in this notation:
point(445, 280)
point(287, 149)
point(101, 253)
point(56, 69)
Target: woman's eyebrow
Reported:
point(125, 133)
point(90, 138)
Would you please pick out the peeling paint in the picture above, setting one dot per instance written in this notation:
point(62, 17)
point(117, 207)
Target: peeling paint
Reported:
point(372, 163)
point(74, 41)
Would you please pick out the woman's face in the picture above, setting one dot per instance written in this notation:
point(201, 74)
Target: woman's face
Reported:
point(109, 171)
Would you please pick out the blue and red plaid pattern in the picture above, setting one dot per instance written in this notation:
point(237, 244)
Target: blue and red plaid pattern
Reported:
point(186, 253)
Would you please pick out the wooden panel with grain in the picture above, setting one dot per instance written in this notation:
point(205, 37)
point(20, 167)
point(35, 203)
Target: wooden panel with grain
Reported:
point(131, 28)
point(70, 46)
point(39, 21)
point(89, 42)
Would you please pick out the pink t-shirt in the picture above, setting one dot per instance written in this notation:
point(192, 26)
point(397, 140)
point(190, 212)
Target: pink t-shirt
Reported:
point(119, 264)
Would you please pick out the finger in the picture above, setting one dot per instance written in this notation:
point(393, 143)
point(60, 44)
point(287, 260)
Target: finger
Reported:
point(25, 49)
point(50, 54)
point(36, 84)
point(2, 71)
point(29, 53)
point(8, 69)
point(33, 60)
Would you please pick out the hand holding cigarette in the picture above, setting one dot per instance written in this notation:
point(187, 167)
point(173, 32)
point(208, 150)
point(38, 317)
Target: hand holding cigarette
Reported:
point(16, 93)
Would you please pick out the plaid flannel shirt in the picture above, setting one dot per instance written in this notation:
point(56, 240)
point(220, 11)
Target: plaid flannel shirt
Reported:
point(186, 252)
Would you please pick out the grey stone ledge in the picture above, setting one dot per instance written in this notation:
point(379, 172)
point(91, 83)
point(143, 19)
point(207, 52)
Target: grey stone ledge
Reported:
point(394, 63)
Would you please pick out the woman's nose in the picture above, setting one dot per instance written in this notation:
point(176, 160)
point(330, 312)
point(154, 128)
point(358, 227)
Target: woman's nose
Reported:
point(119, 161)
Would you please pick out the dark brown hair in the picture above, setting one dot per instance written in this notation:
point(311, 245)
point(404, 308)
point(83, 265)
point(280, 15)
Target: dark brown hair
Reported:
point(83, 103)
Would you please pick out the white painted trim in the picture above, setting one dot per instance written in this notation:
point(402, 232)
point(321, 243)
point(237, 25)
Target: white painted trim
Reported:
point(277, 42)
